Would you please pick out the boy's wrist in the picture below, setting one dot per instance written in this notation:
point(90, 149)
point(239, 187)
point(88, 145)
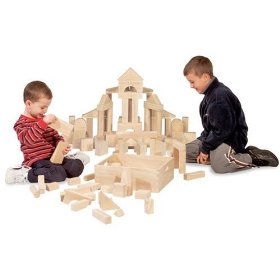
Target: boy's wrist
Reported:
point(204, 151)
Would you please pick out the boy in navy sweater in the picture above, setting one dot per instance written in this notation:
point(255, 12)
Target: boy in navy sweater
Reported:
point(224, 137)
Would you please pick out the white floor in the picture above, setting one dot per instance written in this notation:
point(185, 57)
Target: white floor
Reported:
point(217, 227)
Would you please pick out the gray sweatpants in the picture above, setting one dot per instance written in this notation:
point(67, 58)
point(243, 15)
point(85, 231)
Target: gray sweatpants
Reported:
point(223, 159)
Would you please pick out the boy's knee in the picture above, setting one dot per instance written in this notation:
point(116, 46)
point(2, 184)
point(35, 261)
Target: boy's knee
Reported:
point(74, 168)
point(218, 168)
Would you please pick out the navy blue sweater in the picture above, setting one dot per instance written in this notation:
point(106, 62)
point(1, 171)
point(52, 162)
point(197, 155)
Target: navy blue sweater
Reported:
point(222, 118)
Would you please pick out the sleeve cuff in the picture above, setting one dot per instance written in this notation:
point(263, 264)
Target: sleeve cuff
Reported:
point(205, 151)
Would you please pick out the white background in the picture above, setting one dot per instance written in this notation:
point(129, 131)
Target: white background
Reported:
point(219, 227)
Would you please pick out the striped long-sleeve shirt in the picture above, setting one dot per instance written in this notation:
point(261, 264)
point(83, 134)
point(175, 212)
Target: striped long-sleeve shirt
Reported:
point(37, 139)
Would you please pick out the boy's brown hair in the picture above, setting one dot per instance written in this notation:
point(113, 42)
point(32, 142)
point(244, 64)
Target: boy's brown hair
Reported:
point(35, 90)
point(199, 65)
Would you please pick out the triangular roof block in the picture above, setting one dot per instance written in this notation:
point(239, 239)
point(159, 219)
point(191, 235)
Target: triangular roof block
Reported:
point(90, 114)
point(105, 103)
point(130, 75)
point(104, 99)
point(167, 115)
point(154, 99)
point(147, 90)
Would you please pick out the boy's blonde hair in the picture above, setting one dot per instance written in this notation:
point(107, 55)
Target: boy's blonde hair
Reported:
point(199, 65)
point(35, 90)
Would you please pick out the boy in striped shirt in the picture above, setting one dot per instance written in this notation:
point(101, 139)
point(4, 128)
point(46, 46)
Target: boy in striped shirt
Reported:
point(38, 141)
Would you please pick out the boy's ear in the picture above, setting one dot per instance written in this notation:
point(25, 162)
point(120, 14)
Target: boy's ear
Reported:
point(28, 102)
point(206, 76)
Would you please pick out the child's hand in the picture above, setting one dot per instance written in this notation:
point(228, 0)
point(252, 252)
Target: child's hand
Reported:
point(203, 158)
point(67, 150)
point(49, 119)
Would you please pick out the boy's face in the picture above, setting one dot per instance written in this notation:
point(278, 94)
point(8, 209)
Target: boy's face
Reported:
point(198, 83)
point(38, 108)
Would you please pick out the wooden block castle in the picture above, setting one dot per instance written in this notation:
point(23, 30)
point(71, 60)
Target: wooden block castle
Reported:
point(153, 137)
point(131, 131)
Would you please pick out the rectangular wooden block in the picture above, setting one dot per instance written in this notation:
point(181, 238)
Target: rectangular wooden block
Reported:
point(89, 177)
point(78, 205)
point(102, 216)
point(189, 137)
point(149, 206)
point(101, 146)
point(35, 191)
point(52, 186)
point(194, 175)
point(41, 184)
point(87, 144)
point(119, 189)
point(68, 195)
point(92, 185)
point(73, 181)
point(58, 156)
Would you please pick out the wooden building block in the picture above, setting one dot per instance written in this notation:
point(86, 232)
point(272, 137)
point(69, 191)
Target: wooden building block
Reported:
point(142, 184)
point(83, 188)
point(119, 213)
point(73, 181)
point(122, 147)
point(140, 148)
point(102, 216)
point(188, 137)
point(149, 206)
point(101, 146)
point(111, 139)
point(81, 204)
point(89, 125)
point(52, 186)
point(177, 129)
point(115, 164)
point(194, 175)
point(58, 156)
point(92, 195)
point(107, 188)
point(89, 177)
point(65, 128)
point(89, 186)
point(126, 179)
point(71, 119)
point(86, 144)
point(119, 189)
point(185, 121)
point(35, 191)
point(68, 195)
point(105, 202)
point(160, 148)
point(62, 195)
point(79, 132)
point(142, 194)
point(41, 184)
point(179, 154)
